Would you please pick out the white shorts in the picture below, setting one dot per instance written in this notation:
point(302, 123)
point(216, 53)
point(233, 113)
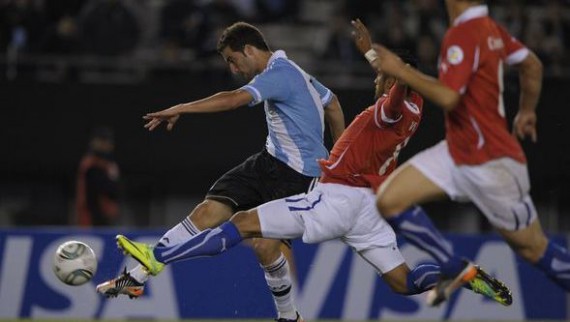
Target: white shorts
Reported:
point(332, 211)
point(499, 188)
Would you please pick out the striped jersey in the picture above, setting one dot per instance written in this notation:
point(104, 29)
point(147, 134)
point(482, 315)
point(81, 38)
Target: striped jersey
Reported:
point(294, 110)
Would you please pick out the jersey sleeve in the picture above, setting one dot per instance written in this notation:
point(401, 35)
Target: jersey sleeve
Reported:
point(325, 94)
point(387, 105)
point(270, 84)
point(516, 51)
point(457, 59)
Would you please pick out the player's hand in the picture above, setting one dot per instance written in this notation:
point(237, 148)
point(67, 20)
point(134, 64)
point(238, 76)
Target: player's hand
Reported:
point(525, 125)
point(170, 116)
point(387, 62)
point(361, 36)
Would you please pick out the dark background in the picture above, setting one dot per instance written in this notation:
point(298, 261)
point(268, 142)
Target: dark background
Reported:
point(68, 66)
point(46, 127)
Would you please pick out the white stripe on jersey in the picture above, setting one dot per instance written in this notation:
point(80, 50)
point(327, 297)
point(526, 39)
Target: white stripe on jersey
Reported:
point(476, 59)
point(286, 143)
point(314, 94)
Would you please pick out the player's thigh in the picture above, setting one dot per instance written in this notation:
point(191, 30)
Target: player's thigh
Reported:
point(529, 242)
point(325, 213)
point(427, 176)
point(247, 223)
point(278, 221)
point(500, 189)
point(408, 186)
point(368, 230)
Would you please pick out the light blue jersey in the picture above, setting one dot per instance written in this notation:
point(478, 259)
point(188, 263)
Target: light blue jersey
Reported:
point(294, 110)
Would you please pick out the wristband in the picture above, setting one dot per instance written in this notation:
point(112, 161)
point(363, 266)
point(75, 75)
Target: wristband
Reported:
point(371, 55)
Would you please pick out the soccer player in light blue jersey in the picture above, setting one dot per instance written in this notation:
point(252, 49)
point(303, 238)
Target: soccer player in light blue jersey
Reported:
point(296, 106)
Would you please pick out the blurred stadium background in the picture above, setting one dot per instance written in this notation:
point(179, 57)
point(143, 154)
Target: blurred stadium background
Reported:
point(69, 66)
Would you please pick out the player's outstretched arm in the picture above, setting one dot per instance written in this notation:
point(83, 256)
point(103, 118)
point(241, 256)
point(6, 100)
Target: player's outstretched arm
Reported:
point(335, 118)
point(222, 101)
point(428, 87)
point(530, 78)
point(362, 39)
point(392, 106)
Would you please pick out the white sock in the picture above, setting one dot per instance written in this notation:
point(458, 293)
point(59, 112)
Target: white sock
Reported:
point(140, 274)
point(177, 234)
point(278, 277)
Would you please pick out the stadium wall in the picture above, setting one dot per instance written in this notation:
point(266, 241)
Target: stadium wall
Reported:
point(333, 283)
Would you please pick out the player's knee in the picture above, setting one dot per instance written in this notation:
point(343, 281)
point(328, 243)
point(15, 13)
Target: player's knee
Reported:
point(530, 243)
point(398, 286)
point(240, 219)
point(209, 214)
point(397, 279)
point(532, 251)
point(388, 206)
point(266, 250)
point(245, 223)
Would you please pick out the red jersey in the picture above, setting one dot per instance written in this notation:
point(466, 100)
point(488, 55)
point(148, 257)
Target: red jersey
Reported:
point(471, 63)
point(367, 151)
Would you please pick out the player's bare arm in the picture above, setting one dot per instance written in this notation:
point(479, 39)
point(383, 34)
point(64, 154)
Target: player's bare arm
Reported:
point(530, 78)
point(222, 101)
point(335, 118)
point(429, 87)
point(361, 36)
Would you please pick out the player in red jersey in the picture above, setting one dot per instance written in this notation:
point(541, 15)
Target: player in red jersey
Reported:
point(479, 160)
point(342, 205)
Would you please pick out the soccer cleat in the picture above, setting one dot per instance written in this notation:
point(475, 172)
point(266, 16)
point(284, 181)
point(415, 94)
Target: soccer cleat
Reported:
point(142, 253)
point(448, 284)
point(491, 287)
point(124, 284)
point(298, 319)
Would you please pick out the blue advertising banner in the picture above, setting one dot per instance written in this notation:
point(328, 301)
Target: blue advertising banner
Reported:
point(333, 283)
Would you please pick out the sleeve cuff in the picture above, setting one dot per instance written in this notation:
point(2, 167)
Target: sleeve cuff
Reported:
point(254, 92)
point(518, 56)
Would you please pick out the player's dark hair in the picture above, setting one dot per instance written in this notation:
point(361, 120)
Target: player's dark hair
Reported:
point(407, 57)
point(240, 34)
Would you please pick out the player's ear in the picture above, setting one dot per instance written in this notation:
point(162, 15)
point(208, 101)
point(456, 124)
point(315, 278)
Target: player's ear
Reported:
point(248, 50)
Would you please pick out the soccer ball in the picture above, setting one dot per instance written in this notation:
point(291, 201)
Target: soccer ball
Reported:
point(74, 263)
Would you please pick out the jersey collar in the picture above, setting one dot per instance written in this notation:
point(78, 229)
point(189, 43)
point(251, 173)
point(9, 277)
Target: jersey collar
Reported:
point(277, 54)
point(472, 13)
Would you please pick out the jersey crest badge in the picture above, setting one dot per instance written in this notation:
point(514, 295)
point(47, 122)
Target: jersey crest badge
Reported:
point(454, 55)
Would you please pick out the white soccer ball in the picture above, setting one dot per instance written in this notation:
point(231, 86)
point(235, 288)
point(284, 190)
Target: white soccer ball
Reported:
point(74, 263)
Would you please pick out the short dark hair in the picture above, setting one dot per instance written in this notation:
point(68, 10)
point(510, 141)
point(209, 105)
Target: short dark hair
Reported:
point(240, 34)
point(407, 57)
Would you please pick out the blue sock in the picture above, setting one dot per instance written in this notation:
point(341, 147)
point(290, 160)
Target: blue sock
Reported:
point(422, 278)
point(556, 264)
point(209, 242)
point(415, 225)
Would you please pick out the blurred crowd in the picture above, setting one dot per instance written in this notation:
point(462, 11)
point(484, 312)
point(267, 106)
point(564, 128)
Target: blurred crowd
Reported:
point(170, 29)
point(419, 26)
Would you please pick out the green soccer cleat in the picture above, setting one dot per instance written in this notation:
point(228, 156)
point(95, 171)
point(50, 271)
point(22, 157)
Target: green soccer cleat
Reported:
point(491, 287)
point(142, 253)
